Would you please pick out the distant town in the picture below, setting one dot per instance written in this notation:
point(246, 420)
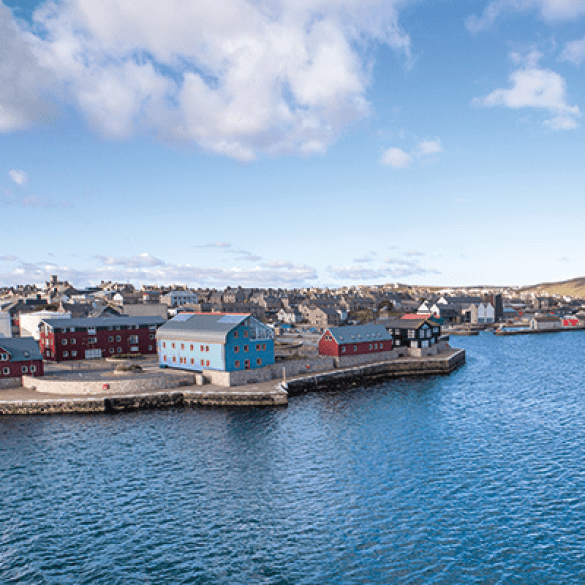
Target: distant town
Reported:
point(240, 335)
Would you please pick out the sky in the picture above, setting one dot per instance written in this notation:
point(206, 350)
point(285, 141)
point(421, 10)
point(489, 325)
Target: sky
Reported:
point(292, 143)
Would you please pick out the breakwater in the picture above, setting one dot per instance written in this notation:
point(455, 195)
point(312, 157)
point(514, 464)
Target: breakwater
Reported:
point(428, 366)
point(535, 331)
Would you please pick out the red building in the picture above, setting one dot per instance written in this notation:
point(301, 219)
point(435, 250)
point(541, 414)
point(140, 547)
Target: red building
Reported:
point(354, 340)
point(18, 356)
point(80, 339)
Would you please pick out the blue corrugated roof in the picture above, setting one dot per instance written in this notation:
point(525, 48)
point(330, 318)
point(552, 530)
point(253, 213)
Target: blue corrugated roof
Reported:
point(21, 349)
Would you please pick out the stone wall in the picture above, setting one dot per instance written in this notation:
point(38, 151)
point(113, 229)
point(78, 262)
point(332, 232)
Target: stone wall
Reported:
point(66, 385)
point(271, 372)
point(359, 360)
point(6, 383)
point(386, 370)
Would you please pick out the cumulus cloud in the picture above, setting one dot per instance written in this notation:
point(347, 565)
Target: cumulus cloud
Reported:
point(549, 10)
point(22, 81)
point(534, 87)
point(8, 258)
point(428, 147)
point(18, 177)
point(239, 78)
point(396, 158)
point(574, 51)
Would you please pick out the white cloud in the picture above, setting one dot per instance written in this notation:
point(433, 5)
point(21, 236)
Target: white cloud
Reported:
point(239, 78)
point(429, 147)
point(396, 158)
point(216, 244)
point(140, 261)
point(19, 177)
point(534, 87)
point(574, 51)
point(8, 258)
point(22, 80)
point(401, 269)
point(548, 10)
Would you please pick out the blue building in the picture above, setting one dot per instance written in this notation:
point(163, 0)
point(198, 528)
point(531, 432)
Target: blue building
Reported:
point(215, 341)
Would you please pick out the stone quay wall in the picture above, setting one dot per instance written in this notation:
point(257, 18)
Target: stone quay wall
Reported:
point(374, 372)
point(138, 383)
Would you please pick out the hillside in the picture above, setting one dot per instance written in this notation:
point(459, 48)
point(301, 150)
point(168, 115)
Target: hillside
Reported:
point(574, 287)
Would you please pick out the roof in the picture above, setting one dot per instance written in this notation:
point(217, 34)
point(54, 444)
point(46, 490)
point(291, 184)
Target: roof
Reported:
point(19, 347)
point(408, 323)
point(103, 321)
point(359, 333)
point(212, 327)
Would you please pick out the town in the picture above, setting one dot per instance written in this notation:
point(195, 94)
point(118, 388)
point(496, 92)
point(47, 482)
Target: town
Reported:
point(239, 336)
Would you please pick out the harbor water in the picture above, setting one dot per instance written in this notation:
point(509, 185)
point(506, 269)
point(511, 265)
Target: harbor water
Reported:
point(476, 477)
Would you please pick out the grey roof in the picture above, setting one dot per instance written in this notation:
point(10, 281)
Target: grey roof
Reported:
point(202, 326)
point(18, 347)
point(407, 323)
point(359, 333)
point(103, 322)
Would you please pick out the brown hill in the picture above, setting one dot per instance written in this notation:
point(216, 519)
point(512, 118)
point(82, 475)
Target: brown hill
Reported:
point(574, 287)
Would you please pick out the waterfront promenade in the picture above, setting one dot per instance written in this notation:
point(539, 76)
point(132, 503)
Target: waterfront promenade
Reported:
point(271, 393)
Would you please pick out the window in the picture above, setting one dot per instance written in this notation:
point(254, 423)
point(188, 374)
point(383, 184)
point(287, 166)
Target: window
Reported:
point(247, 364)
point(237, 363)
point(201, 349)
point(257, 347)
point(24, 369)
point(72, 329)
point(65, 354)
point(119, 338)
point(207, 363)
point(133, 339)
point(342, 349)
point(202, 361)
point(381, 346)
point(111, 338)
point(182, 346)
point(4, 357)
point(151, 336)
point(73, 341)
point(263, 347)
point(74, 353)
point(117, 328)
point(119, 350)
point(191, 346)
point(112, 350)
point(150, 348)
point(246, 348)
point(370, 346)
point(174, 359)
point(245, 333)
point(91, 340)
point(33, 369)
point(164, 344)
point(258, 361)
point(355, 348)
point(236, 348)
point(110, 328)
point(6, 371)
point(192, 361)
point(207, 348)
point(235, 335)
point(397, 342)
point(64, 342)
point(411, 334)
point(375, 346)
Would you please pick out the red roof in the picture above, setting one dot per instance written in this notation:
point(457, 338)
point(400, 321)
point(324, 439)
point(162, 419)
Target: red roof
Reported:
point(415, 316)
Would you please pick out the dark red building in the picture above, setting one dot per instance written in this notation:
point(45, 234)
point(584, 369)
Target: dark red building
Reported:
point(354, 340)
point(81, 339)
point(18, 356)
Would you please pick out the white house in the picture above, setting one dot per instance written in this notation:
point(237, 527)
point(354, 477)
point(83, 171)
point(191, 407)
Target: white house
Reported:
point(29, 322)
point(5, 326)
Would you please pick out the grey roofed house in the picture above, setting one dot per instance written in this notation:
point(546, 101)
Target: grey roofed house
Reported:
point(213, 327)
point(147, 310)
point(22, 349)
point(359, 333)
point(102, 322)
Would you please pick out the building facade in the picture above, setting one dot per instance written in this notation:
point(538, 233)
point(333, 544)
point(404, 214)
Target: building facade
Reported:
point(81, 339)
point(214, 341)
point(354, 340)
point(20, 356)
point(413, 333)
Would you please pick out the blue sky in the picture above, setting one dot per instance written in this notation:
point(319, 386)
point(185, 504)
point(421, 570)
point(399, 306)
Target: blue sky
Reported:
point(306, 143)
